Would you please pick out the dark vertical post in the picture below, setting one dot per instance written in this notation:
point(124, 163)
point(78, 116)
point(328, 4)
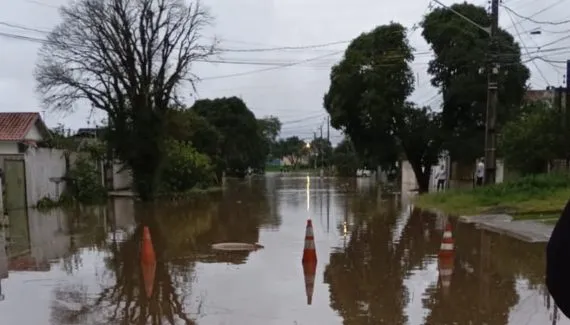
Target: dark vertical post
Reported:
point(492, 100)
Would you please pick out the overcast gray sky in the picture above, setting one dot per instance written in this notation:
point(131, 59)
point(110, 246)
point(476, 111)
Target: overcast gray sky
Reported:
point(292, 93)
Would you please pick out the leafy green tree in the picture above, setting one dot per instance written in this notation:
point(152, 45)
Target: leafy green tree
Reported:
point(126, 58)
point(458, 70)
point(367, 99)
point(292, 148)
point(186, 168)
point(270, 127)
point(536, 137)
point(242, 144)
point(418, 131)
point(322, 151)
point(187, 126)
point(345, 158)
point(85, 186)
point(368, 87)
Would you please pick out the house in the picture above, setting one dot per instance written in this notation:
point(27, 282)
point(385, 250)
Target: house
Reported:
point(29, 173)
point(550, 96)
point(18, 131)
point(534, 95)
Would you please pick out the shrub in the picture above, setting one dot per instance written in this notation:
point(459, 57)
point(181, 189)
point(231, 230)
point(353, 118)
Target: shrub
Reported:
point(86, 186)
point(532, 187)
point(186, 168)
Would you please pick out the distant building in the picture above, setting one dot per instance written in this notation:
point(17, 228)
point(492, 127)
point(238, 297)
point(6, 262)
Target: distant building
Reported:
point(91, 133)
point(547, 95)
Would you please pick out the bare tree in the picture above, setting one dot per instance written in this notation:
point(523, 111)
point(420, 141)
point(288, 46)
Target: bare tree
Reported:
point(127, 58)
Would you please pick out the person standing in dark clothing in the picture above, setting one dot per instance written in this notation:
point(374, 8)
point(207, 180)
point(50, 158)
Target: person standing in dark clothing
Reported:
point(558, 262)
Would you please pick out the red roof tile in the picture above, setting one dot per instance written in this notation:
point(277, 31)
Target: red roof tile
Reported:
point(15, 126)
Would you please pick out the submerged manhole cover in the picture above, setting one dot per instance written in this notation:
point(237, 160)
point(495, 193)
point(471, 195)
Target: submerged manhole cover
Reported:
point(236, 247)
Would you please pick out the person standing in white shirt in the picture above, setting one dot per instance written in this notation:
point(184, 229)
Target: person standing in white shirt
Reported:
point(441, 177)
point(480, 173)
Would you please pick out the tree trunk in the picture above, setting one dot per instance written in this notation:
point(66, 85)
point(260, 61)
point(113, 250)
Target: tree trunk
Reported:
point(423, 181)
point(145, 185)
point(422, 177)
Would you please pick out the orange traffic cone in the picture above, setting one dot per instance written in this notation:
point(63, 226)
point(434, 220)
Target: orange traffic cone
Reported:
point(447, 246)
point(446, 258)
point(148, 262)
point(309, 271)
point(446, 271)
point(309, 251)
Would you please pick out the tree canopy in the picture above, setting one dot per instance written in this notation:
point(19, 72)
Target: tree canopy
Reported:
point(292, 148)
point(242, 144)
point(270, 127)
point(126, 58)
point(321, 150)
point(367, 99)
point(533, 139)
point(345, 159)
point(459, 71)
point(369, 86)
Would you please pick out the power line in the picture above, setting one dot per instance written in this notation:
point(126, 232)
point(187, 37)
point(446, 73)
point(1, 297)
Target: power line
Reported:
point(246, 50)
point(535, 21)
point(555, 41)
point(41, 4)
point(271, 68)
point(526, 49)
point(287, 48)
point(540, 11)
point(227, 61)
point(320, 115)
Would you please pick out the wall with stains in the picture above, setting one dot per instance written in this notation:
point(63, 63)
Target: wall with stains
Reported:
point(43, 167)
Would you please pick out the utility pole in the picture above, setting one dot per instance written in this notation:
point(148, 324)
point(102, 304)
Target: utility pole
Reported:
point(312, 149)
point(329, 141)
point(492, 99)
point(328, 129)
point(558, 99)
point(492, 89)
point(567, 93)
point(321, 151)
point(566, 110)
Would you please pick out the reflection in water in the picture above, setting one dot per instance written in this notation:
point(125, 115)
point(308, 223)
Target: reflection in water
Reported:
point(148, 262)
point(380, 262)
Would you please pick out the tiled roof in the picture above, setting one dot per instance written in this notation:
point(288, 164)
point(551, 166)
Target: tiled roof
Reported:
point(15, 126)
point(535, 95)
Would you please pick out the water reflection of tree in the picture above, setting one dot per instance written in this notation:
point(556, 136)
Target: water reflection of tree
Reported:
point(482, 287)
point(125, 301)
point(182, 233)
point(418, 248)
point(366, 279)
point(273, 217)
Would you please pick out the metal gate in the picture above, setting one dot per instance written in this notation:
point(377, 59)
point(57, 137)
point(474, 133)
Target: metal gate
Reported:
point(14, 184)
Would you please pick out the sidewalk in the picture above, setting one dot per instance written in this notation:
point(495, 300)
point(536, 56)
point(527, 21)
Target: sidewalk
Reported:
point(525, 230)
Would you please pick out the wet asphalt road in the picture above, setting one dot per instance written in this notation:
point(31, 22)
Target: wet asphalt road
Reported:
point(377, 262)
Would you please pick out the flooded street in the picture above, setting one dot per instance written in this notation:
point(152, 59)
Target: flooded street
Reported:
point(377, 263)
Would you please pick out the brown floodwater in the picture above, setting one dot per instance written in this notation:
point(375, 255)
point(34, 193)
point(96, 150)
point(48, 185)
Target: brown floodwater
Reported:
point(377, 262)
